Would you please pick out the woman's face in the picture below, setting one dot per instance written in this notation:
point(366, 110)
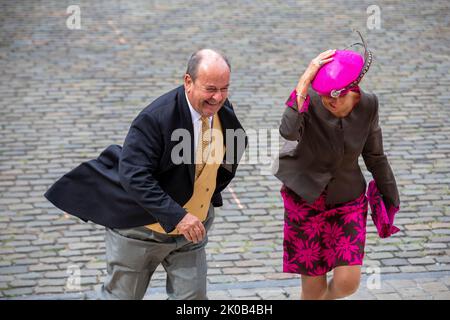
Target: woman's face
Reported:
point(341, 106)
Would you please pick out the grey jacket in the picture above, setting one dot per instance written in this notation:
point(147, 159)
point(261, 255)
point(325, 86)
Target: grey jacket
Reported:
point(323, 150)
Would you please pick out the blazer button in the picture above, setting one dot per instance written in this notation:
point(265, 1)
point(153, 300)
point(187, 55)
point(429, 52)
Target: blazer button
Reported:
point(201, 206)
point(207, 189)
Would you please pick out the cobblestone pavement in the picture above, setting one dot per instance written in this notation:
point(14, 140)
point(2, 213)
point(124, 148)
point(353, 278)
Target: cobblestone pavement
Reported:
point(67, 94)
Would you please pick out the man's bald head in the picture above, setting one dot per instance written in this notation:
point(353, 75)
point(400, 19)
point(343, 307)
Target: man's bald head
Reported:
point(206, 81)
point(205, 58)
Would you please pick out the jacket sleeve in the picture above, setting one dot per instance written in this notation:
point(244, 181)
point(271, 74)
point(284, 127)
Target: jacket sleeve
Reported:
point(293, 120)
point(378, 165)
point(139, 160)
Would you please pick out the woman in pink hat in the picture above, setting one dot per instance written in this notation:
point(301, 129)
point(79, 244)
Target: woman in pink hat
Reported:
point(328, 123)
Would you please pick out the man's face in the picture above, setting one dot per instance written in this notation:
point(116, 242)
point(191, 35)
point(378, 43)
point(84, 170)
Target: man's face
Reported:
point(209, 91)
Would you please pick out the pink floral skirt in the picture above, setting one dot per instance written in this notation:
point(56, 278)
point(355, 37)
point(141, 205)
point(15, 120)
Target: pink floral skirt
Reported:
point(320, 237)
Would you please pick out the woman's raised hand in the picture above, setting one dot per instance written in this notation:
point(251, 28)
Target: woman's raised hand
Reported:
point(310, 72)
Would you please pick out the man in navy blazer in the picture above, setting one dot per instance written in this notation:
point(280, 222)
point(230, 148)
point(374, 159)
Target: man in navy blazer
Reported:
point(126, 189)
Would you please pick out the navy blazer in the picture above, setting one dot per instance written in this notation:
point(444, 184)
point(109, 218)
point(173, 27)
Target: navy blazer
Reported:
point(139, 184)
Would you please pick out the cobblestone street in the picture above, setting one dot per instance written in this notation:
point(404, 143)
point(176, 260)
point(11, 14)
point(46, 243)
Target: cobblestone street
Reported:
point(67, 94)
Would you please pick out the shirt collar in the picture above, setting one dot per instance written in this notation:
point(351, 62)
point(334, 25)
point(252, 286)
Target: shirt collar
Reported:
point(194, 114)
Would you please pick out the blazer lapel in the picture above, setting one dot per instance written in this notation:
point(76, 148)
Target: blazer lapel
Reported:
point(186, 122)
point(230, 121)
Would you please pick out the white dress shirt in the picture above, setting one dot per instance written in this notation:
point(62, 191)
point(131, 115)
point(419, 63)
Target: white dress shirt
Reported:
point(196, 123)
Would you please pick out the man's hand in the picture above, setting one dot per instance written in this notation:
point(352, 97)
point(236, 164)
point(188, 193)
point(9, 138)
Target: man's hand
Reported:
point(191, 228)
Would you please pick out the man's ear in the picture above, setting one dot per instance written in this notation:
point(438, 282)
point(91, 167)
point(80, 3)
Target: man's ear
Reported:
point(187, 82)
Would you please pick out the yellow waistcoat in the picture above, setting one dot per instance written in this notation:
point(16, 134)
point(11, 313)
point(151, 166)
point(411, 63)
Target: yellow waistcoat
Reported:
point(205, 184)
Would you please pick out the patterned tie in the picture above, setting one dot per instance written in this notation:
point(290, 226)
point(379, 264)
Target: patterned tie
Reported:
point(203, 147)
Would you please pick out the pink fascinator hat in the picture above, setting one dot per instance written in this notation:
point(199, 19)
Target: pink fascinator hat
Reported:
point(344, 72)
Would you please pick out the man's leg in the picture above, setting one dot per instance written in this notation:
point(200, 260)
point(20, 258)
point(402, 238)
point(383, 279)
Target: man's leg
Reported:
point(186, 268)
point(186, 272)
point(130, 265)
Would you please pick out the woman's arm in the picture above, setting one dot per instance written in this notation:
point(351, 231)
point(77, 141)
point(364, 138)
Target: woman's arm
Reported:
point(377, 163)
point(293, 120)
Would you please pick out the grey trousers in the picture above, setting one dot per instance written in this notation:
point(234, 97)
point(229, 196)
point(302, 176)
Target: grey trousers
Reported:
point(132, 256)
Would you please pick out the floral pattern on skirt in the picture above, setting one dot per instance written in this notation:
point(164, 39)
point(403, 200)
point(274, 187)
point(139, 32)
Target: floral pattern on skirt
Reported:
point(320, 237)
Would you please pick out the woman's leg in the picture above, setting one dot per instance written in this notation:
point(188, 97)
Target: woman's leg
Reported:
point(313, 288)
point(345, 282)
